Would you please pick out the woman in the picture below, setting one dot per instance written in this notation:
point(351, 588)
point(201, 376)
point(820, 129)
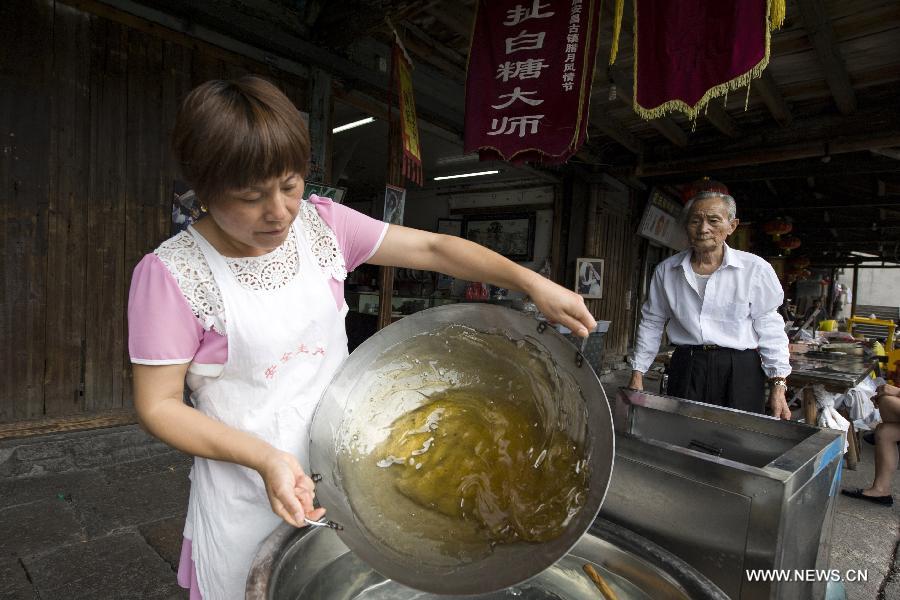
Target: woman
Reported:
point(887, 435)
point(247, 307)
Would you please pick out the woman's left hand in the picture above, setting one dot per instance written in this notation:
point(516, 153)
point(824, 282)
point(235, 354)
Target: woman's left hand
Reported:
point(562, 306)
point(290, 490)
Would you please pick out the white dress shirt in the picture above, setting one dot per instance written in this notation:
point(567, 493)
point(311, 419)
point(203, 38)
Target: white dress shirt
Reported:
point(739, 310)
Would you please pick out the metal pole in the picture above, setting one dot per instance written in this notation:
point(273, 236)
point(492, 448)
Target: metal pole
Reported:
point(855, 280)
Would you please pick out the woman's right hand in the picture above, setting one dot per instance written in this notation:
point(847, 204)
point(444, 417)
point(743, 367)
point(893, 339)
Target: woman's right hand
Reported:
point(290, 490)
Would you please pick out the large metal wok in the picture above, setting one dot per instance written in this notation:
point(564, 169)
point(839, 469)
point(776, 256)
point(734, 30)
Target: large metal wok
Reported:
point(394, 372)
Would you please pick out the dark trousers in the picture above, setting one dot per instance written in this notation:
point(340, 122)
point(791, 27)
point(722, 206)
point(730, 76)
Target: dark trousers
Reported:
point(721, 376)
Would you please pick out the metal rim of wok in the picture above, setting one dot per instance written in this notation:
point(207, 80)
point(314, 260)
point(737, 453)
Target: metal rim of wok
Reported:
point(508, 564)
point(656, 571)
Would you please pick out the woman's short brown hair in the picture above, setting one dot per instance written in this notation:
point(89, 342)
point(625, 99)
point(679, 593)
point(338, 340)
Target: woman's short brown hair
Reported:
point(232, 134)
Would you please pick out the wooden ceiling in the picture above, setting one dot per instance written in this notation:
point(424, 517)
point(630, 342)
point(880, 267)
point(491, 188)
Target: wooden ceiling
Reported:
point(818, 143)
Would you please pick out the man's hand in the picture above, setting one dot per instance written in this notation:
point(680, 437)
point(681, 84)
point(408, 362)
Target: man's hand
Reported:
point(778, 403)
point(637, 380)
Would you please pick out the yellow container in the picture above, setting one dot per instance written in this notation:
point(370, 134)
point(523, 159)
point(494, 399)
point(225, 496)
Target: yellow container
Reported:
point(829, 325)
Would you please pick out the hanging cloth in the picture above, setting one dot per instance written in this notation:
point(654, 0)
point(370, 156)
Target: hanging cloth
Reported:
point(688, 52)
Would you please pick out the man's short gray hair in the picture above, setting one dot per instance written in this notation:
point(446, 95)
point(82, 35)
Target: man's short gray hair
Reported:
point(728, 201)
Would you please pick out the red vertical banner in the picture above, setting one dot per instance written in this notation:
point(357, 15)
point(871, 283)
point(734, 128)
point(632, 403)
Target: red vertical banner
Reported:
point(528, 84)
point(409, 127)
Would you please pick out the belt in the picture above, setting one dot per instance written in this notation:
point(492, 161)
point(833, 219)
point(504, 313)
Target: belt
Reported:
point(705, 347)
point(709, 348)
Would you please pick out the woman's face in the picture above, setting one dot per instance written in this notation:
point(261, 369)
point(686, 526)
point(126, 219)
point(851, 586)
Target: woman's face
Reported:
point(708, 224)
point(256, 220)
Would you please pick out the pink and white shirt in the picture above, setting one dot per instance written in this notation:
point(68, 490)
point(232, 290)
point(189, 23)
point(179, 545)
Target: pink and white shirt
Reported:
point(175, 311)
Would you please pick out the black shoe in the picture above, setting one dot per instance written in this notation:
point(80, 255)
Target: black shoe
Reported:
point(858, 493)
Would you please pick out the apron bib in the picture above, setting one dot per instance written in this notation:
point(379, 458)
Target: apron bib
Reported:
point(284, 346)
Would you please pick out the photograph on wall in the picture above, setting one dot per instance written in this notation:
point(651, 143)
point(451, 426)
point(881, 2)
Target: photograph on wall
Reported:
point(450, 227)
point(660, 221)
point(336, 194)
point(394, 200)
point(589, 277)
point(511, 235)
point(185, 207)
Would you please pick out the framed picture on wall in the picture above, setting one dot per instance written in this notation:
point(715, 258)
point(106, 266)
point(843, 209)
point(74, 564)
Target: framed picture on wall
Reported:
point(509, 234)
point(450, 226)
point(394, 201)
point(185, 207)
point(589, 277)
point(335, 193)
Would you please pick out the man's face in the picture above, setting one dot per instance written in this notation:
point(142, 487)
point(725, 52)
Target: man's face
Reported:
point(708, 224)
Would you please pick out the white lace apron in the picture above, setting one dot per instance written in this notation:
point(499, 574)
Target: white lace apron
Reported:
point(284, 346)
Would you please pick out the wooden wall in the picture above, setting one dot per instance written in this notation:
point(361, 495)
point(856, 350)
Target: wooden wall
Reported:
point(609, 235)
point(87, 101)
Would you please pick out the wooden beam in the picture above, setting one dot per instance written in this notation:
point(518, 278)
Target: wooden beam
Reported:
point(450, 18)
point(761, 156)
point(845, 165)
point(816, 137)
point(821, 35)
point(772, 96)
point(616, 131)
point(718, 116)
point(665, 125)
point(80, 422)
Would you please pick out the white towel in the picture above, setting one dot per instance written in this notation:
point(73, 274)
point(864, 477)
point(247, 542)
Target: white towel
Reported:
point(828, 415)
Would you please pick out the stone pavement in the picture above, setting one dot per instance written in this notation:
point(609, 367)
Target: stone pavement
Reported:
point(95, 514)
point(99, 514)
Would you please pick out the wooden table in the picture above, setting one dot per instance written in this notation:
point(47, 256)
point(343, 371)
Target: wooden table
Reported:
point(838, 374)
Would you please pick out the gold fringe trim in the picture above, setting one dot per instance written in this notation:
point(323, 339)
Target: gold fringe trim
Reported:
point(617, 30)
point(722, 89)
point(776, 14)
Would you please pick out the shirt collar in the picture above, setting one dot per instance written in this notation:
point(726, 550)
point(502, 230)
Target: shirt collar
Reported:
point(731, 259)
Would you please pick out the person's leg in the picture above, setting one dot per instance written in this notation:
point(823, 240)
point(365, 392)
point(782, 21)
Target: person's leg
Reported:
point(679, 372)
point(886, 437)
point(747, 382)
point(889, 407)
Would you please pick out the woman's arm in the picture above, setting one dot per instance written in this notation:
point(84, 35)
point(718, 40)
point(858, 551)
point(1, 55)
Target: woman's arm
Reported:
point(158, 400)
point(454, 256)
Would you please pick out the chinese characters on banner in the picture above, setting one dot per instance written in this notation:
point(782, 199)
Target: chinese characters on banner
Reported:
point(528, 84)
point(412, 156)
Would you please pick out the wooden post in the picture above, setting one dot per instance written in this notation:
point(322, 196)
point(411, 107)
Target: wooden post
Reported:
point(319, 125)
point(810, 409)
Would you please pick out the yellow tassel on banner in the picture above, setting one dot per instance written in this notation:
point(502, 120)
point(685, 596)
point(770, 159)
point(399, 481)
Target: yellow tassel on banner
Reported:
point(776, 14)
point(775, 17)
point(617, 29)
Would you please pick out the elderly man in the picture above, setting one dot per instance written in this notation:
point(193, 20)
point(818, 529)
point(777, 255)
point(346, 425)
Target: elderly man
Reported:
point(720, 308)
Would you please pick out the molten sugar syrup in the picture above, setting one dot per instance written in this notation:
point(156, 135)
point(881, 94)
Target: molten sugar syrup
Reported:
point(465, 445)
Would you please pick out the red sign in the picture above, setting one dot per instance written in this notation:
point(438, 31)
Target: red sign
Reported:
point(528, 85)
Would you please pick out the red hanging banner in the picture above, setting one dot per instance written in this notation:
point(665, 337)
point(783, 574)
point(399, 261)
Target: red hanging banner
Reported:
point(528, 85)
point(409, 127)
point(691, 51)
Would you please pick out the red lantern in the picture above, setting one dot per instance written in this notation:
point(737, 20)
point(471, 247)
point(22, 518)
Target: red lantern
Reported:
point(799, 262)
point(705, 185)
point(777, 228)
point(788, 243)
